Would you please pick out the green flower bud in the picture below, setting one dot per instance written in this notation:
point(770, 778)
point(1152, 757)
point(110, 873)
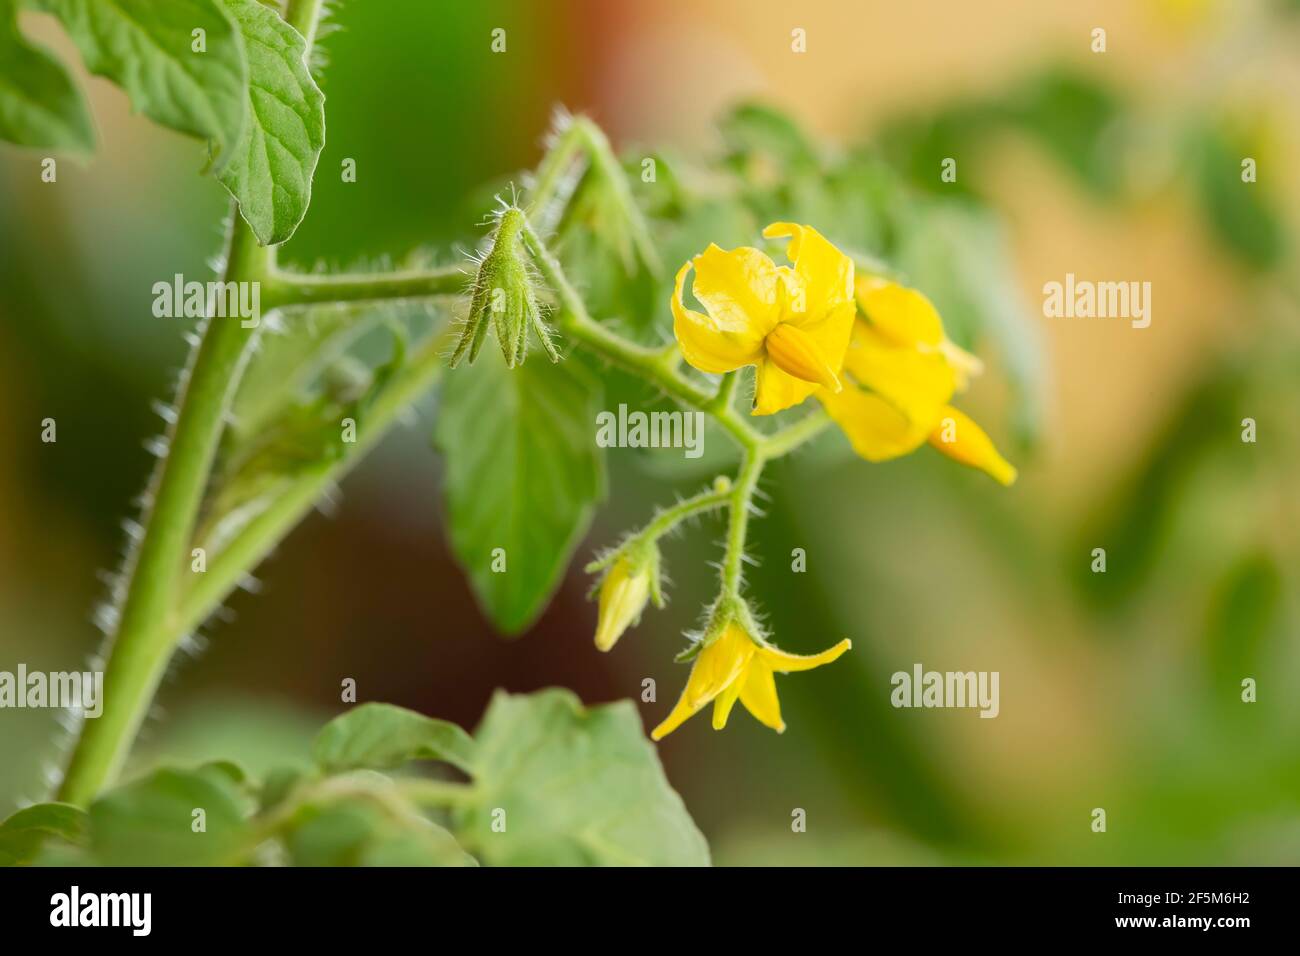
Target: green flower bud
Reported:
point(505, 298)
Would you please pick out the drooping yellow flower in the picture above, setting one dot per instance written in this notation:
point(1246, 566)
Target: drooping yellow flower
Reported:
point(902, 372)
point(737, 667)
point(792, 323)
point(623, 596)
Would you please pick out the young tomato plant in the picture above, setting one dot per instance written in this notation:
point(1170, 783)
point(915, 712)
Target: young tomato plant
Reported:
point(272, 410)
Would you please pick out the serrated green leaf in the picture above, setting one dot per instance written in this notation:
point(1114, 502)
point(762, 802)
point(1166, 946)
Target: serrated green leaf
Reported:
point(573, 786)
point(24, 834)
point(523, 474)
point(146, 47)
point(152, 821)
point(271, 168)
point(379, 736)
point(39, 104)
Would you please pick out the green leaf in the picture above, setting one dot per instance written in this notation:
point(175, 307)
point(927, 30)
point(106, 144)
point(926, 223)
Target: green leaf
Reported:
point(1076, 119)
point(271, 168)
point(1242, 216)
point(23, 835)
point(523, 474)
point(356, 833)
point(379, 736)
point(573, 787)
point(754, 131)
point(278, 785)
point(152, 821)
point(428, 845)
point(229, 769)
point(1245, 611)
point(146, 47)
point(39, 104)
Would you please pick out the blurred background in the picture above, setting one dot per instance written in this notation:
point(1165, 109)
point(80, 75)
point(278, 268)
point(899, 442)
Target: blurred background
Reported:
point(1119, 690)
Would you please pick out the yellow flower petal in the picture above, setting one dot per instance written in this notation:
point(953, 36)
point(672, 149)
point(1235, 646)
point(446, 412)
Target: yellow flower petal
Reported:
point(758, 694)
point(738, 288)
point(904, 316)
point(876, 429)
point(682, 711)
point(779, 660)
point(716, 667)
point(826, 272)
point(958, 437)
point(795, 352)
point(723, 703)
point(707, 344)
point(776, 389)
point(918, 384)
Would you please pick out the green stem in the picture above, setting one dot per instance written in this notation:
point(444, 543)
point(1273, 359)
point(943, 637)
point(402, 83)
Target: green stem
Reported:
point(742, 495)
point(606, 164)
point(551, 185)
point(653, 365)
point(670, 518)
point(291, 503)
point(146, 633)
point(666, 520)
point(289, 289)
point(726, 394)
point(786, 440)
point(303, 16)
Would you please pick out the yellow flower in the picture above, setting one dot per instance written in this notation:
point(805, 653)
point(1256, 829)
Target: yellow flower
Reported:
point(623, 596)
point(735, 666)
point(903, 372)
point(793, 324)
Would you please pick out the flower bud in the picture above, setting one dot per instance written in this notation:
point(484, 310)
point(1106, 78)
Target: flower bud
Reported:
point(623, 595)
point(505, 297)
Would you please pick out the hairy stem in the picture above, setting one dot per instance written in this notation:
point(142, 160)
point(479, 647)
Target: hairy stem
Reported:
point(717, 496)
point(146, 634)
point(782, 442)
point(670, 518)
point(303, 16)
point(606, 164)
point(289, 289)
point(742, 495)
point(649, 363)
point(289, 504)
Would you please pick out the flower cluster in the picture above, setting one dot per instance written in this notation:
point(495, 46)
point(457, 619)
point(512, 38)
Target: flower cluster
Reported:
point(871, 351)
